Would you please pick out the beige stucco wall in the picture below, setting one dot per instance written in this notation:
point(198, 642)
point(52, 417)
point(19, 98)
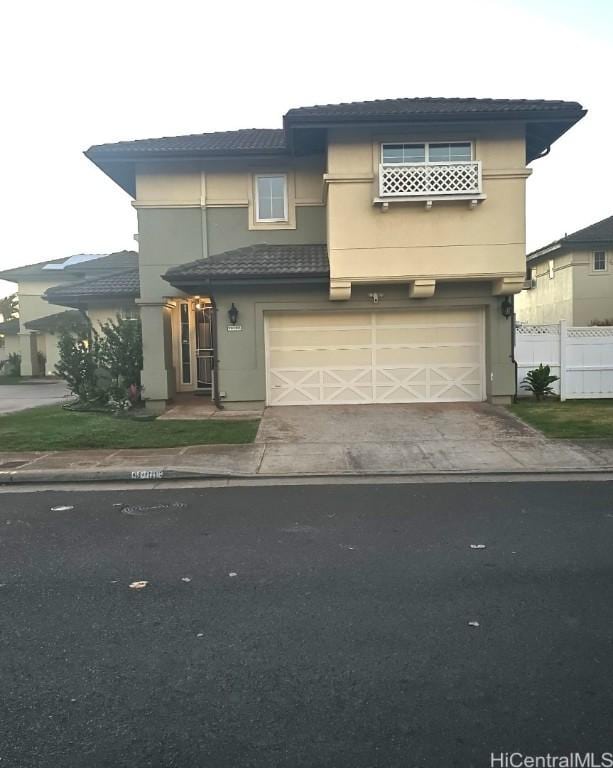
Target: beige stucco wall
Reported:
point(448, 242)
point(552, 298)
point(99, 315)
point(592, 291)
point(576, 293)
point(31, 303)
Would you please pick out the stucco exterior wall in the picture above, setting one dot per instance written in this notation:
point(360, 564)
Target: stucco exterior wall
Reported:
point(592, 291)
point(241, 354)
point(552, 298)
point(31, 304)
point(98, 315)
point(190, 211)
point(450, 241)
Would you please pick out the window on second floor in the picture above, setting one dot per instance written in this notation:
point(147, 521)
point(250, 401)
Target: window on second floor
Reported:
point(428, 152)
point(599, 262)
point(271, 198)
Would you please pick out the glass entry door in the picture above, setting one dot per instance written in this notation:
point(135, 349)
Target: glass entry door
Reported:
point(204, 347)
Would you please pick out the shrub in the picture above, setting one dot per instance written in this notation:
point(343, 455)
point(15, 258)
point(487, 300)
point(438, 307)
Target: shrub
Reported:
point(77, 366)
point(104, 371)
point(12, 365)
point(539, 381)
point(606, 321)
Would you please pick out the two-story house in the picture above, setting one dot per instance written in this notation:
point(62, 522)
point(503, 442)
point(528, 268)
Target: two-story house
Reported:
point(363, 253)
point(571, 279)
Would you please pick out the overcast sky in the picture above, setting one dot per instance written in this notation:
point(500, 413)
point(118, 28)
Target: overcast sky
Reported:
point(79, 73)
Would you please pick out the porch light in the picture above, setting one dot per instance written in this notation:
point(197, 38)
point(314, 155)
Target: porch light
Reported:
point(506, 307)
point(233, 314)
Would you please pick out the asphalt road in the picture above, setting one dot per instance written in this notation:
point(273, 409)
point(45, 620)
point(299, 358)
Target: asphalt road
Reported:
point(320, 626)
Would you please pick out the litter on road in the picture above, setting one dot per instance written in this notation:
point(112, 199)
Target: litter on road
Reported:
point(61, 508)
point(232, 574)
point(477, 546)
point(138, 584)
point(473, 624)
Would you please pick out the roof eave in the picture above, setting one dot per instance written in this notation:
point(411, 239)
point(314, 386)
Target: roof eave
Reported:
point(187, 283)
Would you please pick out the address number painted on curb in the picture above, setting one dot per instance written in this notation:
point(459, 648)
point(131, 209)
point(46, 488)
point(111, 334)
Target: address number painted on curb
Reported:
point(147, 474)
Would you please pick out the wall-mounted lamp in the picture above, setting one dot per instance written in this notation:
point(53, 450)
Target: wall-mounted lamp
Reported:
point(233, 314)
point(506, 307)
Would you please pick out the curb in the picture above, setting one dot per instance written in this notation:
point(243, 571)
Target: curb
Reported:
point(101, 475)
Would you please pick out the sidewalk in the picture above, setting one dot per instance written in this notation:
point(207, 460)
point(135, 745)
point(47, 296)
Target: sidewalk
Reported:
point(517, 455)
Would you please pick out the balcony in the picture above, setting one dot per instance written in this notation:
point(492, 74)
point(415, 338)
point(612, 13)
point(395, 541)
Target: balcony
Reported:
point(430, 181)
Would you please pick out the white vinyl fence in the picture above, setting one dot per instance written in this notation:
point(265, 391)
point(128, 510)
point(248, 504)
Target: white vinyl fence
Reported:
point(581, 356)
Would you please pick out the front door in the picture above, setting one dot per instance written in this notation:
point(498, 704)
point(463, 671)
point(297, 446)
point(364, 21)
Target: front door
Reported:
point(193, 344)
point(204, 347)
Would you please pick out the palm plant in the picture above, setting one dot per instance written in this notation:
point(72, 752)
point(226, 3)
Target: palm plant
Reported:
point(9, 307)
point(539, 381)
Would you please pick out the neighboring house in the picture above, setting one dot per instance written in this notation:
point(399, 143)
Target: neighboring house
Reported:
point(571, 279)
point(9, 340)
point(363, 253)
point(40, 319)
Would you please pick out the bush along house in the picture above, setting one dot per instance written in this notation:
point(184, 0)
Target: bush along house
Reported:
point(362, 253)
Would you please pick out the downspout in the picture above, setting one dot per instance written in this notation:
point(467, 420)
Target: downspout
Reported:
point(513, 360)
point(216, 398)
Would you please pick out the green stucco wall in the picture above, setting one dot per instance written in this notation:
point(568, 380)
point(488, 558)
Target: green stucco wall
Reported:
point(172, 236)
point(227, 229)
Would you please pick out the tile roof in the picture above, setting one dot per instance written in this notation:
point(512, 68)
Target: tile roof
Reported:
point(256, 262)
point(116, 284)
point(10, 327)
point(410, 107)
point(600, 232)
point(102, 263)
point(244, 141)
point(56, 321)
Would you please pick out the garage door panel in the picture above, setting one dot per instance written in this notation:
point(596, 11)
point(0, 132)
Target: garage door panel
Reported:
point(345, 357)
point(339, 337)
point(319, 358)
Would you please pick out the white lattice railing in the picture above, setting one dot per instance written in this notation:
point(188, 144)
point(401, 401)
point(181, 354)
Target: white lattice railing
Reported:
point(418, 179)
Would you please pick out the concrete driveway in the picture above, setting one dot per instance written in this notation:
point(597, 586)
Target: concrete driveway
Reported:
point(395, 438)
point(18, 397)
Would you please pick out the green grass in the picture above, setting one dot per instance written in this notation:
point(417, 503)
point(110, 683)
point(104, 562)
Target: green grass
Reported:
point(53, 428)
point(572, 419)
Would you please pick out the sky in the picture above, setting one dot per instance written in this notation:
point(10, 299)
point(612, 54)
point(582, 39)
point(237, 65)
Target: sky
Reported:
point(80, 73)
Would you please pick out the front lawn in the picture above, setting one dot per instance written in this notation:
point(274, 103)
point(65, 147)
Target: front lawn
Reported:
point(572, 419)
point(53, 428)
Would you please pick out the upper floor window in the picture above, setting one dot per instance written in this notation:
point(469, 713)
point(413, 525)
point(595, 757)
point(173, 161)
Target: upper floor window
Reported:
point(271, 198)
point(428, 152)
point(600, 261)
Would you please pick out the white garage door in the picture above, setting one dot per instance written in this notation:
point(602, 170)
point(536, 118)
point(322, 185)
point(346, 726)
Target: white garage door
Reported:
point(374, 357)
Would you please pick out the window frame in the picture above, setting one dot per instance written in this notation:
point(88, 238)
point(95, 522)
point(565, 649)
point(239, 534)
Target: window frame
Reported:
point(552, 267)
point(258, 219)
point(426, 145)
point(605, 263)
